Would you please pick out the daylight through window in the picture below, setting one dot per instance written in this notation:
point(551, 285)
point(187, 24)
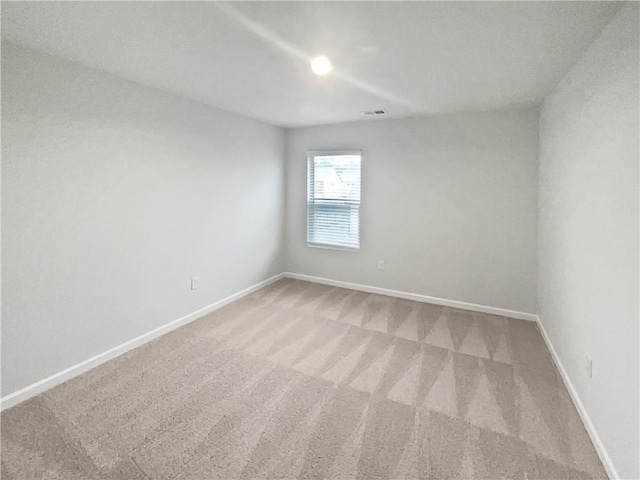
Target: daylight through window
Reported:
point(333, 199)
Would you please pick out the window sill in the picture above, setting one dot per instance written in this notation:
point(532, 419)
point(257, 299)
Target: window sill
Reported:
point(333, 247)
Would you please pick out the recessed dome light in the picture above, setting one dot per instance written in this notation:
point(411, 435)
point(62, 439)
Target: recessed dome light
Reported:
point(321, 65)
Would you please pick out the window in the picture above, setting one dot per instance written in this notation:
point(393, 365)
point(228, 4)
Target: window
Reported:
point(333, 199)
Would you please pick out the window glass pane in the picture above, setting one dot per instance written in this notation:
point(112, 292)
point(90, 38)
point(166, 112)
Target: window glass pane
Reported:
point(337, 177)
point(333, 215)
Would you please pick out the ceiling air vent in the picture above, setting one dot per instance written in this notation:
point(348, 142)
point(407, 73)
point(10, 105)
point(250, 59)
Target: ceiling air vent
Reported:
point(376, 112)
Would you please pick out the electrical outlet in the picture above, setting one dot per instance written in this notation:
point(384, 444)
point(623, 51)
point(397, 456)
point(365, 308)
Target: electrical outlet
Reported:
point(380, 264)
point(589, 367)
point(195, 283)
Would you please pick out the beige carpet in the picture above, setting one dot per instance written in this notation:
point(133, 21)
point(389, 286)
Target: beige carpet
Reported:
point(301, 380)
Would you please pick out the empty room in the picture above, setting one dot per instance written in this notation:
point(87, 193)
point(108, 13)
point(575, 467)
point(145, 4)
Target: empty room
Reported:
point(320, 240)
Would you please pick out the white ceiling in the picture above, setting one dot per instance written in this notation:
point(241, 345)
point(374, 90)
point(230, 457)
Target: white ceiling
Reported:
point(409, 58)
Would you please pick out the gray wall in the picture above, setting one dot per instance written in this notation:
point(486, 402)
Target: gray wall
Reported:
point(448, 202)
point(113, 197)
point(588, 242)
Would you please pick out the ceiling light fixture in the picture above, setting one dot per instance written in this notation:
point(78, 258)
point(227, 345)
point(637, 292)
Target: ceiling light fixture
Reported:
point(321, 65)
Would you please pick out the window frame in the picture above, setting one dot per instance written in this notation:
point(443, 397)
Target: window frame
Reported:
point(311, 154)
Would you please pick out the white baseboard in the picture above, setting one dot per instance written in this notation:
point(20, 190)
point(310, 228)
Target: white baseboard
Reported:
point(82, 367)
point(586, 420)
point(416, 297)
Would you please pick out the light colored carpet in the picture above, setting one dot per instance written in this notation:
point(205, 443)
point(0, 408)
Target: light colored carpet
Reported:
point(301, 380)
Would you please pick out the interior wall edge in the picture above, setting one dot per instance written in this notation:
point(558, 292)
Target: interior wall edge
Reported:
point(58, 378)
point(607, 463)
point(445, 302)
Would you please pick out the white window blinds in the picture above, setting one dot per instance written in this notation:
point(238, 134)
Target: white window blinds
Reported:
point(333, 199)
